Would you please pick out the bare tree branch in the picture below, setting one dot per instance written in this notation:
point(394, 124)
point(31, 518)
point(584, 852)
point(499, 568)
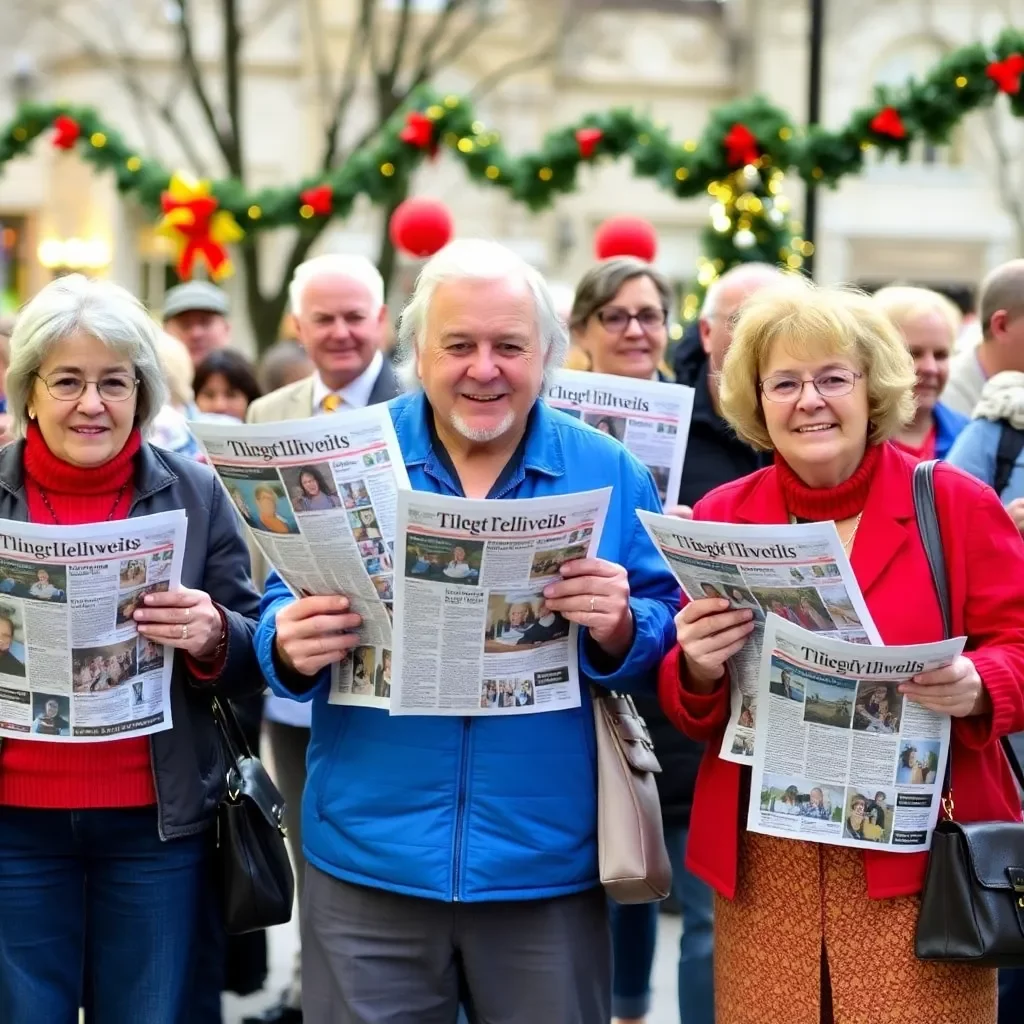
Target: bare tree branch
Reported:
point(195, 79)
point(233, 84)
point(264, 17)
point(335, 128)
point(528, 61)
point(124, 67)
point(400, 35)
point(429, 43)
point(318, 44)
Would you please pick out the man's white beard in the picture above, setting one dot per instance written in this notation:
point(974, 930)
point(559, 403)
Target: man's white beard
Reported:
point(481, 435)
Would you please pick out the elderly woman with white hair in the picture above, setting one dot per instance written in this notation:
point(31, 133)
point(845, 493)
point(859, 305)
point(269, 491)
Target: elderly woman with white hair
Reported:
point(108, 838)
point(929, 324)
point(452, 854)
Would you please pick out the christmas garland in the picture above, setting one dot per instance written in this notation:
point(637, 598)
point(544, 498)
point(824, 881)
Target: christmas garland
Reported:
point(747, 133)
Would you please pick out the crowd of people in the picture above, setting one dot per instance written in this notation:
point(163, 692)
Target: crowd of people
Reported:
point(446, 867)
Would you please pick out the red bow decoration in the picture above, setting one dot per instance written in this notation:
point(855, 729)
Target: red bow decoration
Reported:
point(741, 146)
point(888, 122)
point(418, 131)
point(320, 199)
point(587, 140)
point(201, 230)
point(1006, 73)
point(66, 131)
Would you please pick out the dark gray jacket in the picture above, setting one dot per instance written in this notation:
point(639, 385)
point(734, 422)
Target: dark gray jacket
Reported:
point(188, 766)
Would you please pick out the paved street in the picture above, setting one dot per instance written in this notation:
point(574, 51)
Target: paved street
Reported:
point(282, 950)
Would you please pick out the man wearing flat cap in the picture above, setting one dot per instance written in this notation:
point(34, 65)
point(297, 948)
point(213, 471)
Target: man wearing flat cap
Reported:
point(196, 313)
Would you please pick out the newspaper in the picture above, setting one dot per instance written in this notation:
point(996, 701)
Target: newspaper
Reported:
point(800, 572)
point(840, 756)
point(73, 667)
point(318, 497)
point(651, 418)
point(472, 633)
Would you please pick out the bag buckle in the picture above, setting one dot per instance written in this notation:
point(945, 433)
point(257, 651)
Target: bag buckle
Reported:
point(1016, 876)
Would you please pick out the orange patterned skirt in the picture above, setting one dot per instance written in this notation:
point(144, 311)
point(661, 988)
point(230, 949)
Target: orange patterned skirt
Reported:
point(791, 897)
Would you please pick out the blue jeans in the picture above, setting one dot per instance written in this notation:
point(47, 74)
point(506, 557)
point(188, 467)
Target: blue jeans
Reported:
point(64, 871)
point(635, 932)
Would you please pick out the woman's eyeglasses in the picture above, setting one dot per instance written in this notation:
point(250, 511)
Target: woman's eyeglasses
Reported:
point(615, 319)
point(781, 387)
point(69, 387)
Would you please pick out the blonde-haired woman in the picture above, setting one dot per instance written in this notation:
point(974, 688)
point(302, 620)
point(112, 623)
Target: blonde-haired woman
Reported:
point(929, 323)
point(823, 378)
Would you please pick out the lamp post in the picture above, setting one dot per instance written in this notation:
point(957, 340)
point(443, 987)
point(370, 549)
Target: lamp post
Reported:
point(815, 43)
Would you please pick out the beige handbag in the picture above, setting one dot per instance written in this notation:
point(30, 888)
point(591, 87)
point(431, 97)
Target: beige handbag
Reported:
point(634, 864)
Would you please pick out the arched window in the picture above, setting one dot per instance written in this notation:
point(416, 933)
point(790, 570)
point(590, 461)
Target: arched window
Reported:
point(914, 58)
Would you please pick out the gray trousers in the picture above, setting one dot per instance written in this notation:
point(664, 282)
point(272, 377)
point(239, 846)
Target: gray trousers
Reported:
point(375, 957)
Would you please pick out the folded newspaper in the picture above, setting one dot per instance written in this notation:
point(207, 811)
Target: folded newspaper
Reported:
point(318, 497)
point(73, 667)
point(840, 755)
point(651, 418)
point(473, 634)
point(799, 572)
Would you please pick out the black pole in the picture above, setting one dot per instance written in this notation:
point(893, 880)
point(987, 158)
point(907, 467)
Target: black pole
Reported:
point(815, 41)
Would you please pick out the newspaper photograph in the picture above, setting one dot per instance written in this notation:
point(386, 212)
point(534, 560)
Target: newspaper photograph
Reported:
point(651, 418)
point(73, 667)
point(318, 497)
point(473, 635)
point(801, 573)
point(840, 755)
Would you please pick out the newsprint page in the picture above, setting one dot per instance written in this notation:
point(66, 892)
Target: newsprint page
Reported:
point(651, 418)
point(73, 667)
point(840, 756)
point(318, 497)
point(800, 573)
point(473, 635)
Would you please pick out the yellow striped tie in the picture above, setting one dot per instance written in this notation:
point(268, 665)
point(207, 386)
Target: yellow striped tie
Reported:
point(330, 403)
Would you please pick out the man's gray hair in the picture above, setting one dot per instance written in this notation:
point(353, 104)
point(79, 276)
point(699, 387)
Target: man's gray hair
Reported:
point(476, 259)
point(753, 273)
point(80, 305)
point(336, 264)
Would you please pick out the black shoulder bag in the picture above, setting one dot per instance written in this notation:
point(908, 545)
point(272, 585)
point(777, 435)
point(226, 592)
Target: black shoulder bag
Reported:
point(972, 906)
point(255, 877)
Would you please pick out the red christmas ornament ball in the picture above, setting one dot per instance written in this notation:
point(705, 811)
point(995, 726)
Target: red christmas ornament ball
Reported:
point(420, 227)
point(626, 236)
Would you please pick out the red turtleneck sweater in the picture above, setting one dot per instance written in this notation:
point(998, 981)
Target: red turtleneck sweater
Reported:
point(815, 504)
point(37, 773)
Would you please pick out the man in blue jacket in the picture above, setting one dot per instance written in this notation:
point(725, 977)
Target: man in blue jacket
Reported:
point(458, 854)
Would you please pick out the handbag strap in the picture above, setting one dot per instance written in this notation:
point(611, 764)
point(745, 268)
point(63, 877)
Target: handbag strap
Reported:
point(231, 732)
point(926, 513)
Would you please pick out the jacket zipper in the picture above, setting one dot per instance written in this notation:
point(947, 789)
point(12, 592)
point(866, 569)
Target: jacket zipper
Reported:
point(156, 789)
point(460, 811)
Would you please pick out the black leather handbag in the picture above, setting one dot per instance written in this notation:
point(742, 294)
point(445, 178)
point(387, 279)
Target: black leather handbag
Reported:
point(255, 880)
point(972, 906)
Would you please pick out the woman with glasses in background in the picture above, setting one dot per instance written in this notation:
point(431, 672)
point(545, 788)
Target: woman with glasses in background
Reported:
point(108, 839)
point(823, 378)
point(619, 319)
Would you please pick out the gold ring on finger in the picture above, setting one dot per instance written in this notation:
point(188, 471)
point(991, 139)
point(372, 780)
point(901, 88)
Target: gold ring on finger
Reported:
point(184, 631)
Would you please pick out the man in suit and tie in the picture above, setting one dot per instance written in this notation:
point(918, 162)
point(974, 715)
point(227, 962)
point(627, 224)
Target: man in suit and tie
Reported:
point(337, 302)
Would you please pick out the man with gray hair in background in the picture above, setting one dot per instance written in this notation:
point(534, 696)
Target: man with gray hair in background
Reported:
point(454, 855)
point(1001, 315)
point(714, 454)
